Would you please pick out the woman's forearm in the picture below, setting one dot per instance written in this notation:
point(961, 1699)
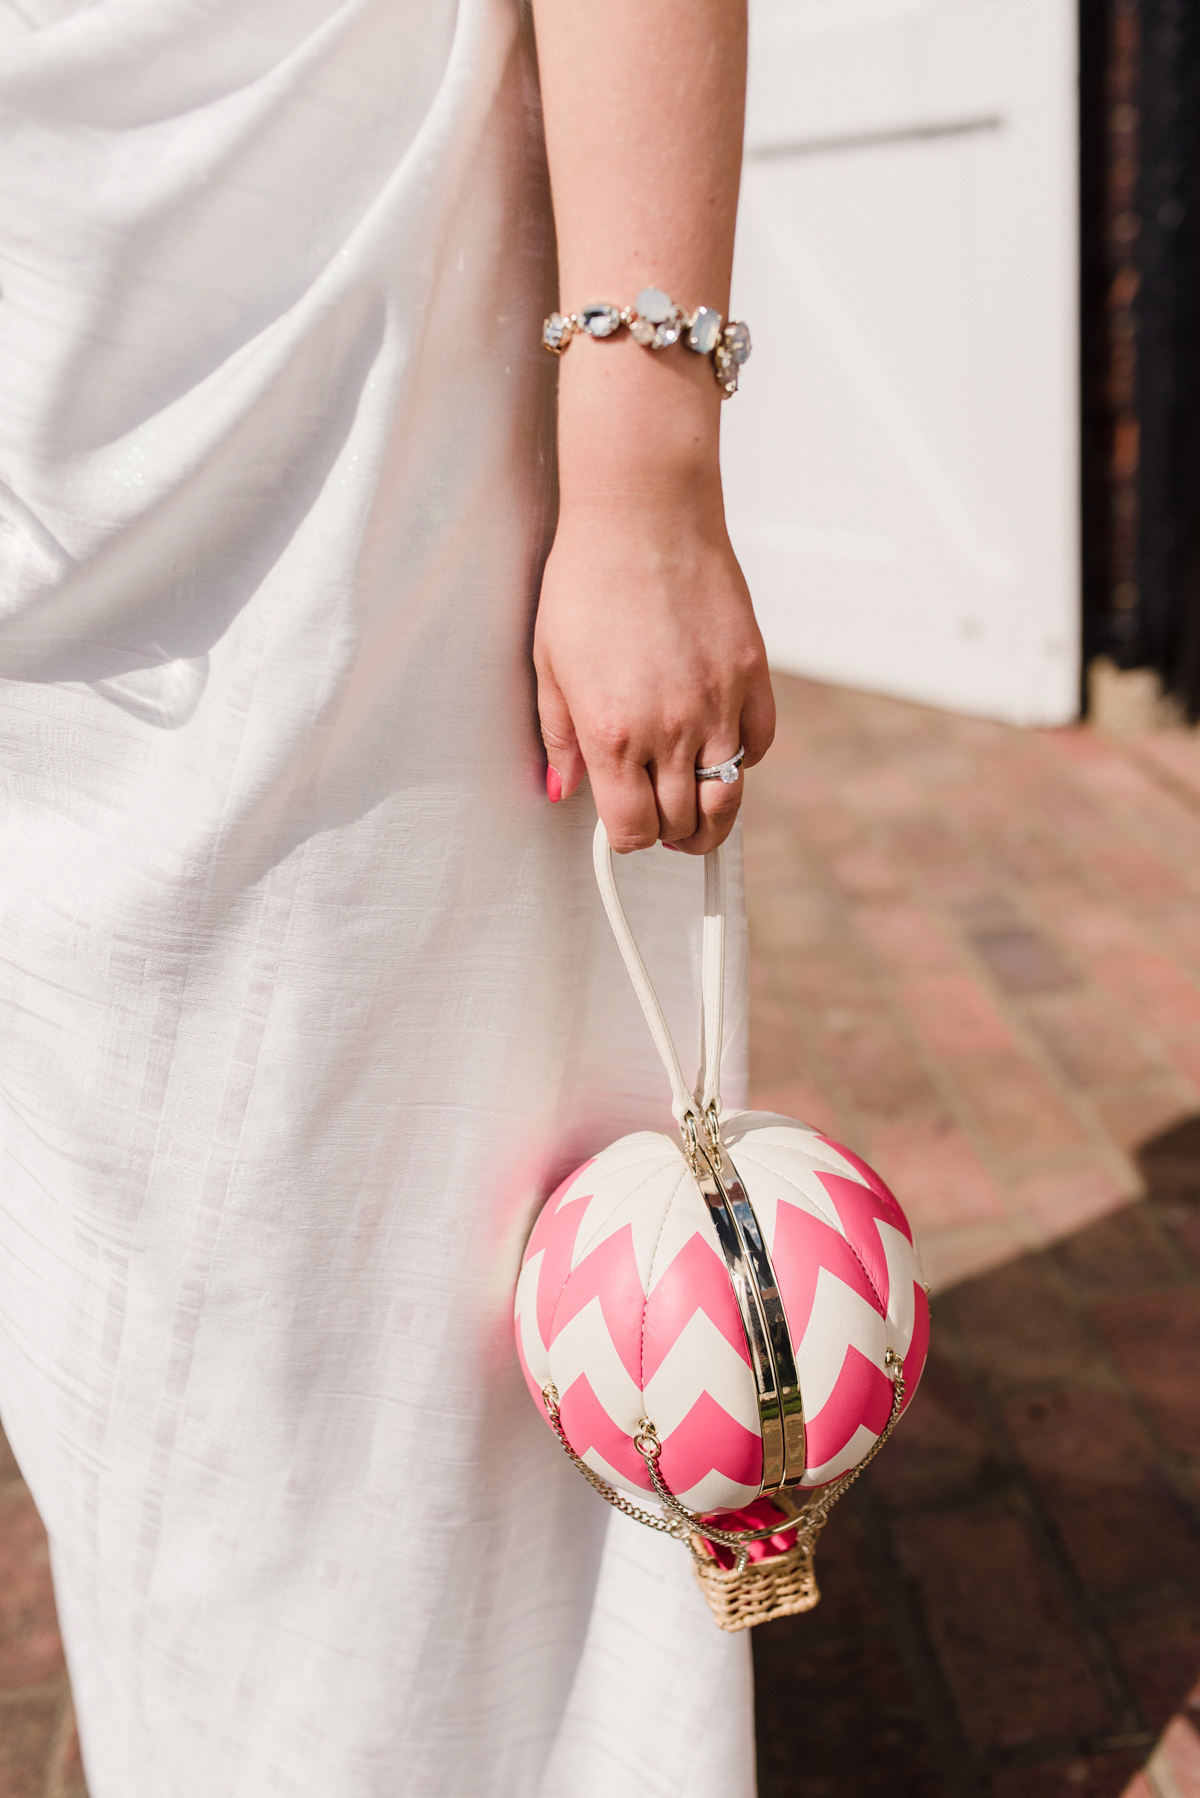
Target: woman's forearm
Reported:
point(643, 111)
point(648, 658)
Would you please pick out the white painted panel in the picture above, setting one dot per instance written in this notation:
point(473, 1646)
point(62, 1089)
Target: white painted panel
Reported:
point(901, 463)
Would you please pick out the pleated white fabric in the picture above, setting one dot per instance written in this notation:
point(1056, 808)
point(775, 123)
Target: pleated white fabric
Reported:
point(308, 997)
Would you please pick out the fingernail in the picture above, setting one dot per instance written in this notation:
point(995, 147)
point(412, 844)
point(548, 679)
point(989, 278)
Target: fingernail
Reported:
point(553, 785)
point(674, 847)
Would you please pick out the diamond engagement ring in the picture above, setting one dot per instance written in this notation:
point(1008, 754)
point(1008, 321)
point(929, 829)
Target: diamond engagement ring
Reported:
point(726, 771)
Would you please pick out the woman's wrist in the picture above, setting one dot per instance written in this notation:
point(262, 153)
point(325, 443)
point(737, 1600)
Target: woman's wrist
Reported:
point(671, 525)
point(636, 426)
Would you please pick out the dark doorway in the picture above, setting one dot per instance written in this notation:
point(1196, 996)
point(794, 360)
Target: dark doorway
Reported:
point(1140, 292)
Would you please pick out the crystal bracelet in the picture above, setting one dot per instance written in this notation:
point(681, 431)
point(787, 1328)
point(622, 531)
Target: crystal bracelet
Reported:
point(656, 322)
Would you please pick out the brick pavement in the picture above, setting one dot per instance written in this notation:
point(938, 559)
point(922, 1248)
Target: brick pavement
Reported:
point(977, 960)
point(39, 1755)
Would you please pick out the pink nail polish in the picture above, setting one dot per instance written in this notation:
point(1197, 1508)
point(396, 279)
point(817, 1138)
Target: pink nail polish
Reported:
point(674, 848)
point(553, 785)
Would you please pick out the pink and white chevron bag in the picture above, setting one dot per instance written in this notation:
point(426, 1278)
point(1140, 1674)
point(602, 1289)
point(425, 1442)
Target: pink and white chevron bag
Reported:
point(729, 1322)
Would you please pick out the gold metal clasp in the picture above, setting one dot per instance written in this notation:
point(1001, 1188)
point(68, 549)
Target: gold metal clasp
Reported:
point(646, 1441)
point(691, 1141)
point(712, 1129)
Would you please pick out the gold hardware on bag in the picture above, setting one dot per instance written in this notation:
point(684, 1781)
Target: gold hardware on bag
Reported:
point(749, 1592)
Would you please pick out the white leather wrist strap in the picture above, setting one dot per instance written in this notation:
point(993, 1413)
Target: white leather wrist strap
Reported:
point(735, 1225)
point(712, 987)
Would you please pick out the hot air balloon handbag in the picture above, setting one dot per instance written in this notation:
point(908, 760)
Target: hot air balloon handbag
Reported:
point(724, 1325)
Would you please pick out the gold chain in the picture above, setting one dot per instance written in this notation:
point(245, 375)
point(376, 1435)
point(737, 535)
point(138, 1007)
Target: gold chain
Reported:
point(606, 1491)
point(682, 1523)
point(843, 1483)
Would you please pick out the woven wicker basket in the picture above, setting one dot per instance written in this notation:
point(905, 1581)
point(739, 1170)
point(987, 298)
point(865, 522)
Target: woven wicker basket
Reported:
point(782, 1586)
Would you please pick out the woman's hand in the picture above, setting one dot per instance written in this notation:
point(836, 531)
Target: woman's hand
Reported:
point(649, 664)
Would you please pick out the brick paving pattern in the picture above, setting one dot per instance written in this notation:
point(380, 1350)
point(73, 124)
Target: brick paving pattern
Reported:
point(976, 960)
point(39, 1756)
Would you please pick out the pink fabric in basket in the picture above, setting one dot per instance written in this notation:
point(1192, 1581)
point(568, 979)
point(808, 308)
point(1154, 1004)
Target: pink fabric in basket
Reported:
point(753, 1517)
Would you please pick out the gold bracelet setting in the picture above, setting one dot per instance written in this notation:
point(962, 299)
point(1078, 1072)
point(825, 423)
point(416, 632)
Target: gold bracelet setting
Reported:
point(656, 322)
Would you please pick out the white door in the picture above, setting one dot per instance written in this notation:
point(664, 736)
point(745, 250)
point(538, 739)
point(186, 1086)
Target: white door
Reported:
point(902, 460)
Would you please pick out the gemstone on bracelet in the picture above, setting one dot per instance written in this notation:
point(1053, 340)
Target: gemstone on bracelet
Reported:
point(599, 319)
point(654, 305)
point(557, 331)
point(725, 369)
point(737, 340)
point(704, 330)
point(659, 322)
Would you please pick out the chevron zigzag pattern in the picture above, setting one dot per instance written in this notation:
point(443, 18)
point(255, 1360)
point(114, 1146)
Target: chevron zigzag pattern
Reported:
point(625, 1304)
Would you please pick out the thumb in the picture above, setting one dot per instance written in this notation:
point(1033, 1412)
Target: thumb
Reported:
point(558, 734)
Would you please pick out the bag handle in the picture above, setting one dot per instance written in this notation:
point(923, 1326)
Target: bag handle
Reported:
point(707, 1094)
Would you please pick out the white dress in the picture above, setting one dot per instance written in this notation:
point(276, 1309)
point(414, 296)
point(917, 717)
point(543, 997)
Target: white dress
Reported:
point(307, 996)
